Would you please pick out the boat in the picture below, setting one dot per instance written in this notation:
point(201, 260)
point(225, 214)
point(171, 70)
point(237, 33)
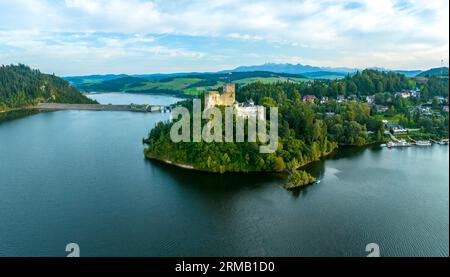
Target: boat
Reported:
point(443, 142)
point(403, 143)
point(423, 143)
point(400, 143)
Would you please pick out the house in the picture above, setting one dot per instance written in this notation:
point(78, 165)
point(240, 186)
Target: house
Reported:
point(441, 100)
point(400, 131)
point(425, 111)
point(340, 98)
point(381, 108)
point(323, 99)
point(405, 94)
point(392, 126)
point(370, 99)
point(309, 98)
point(422, 81)
point(445, 109)
point(395, 128)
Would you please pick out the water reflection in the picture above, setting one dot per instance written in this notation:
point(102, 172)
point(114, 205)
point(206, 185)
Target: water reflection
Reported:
point(218, 183)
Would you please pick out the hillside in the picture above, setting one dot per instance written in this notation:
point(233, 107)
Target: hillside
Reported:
point(439, 71)
point(21, 86)
point(92, 79)
point(184, 84)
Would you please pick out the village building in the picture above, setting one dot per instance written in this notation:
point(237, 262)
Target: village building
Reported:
point(370, 99)
point(381, 108)
point(405, 94)
point(340, 98)
point(309, 98)
point(394, 128)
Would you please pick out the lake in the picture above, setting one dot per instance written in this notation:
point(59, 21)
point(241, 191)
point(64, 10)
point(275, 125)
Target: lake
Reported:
point(119, 98)
point(81, 176)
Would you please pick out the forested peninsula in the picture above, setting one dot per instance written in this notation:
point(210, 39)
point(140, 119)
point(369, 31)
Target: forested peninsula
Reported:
point(314, 119)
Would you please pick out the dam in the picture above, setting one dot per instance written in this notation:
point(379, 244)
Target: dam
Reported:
point(101, 107)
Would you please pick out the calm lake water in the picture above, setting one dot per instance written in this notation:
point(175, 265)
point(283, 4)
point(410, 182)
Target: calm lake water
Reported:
point(80, 176)
point(118, 98)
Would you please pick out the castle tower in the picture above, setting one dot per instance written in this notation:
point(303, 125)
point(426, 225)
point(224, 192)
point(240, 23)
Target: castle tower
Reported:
point(230, 88)
point(226, 98)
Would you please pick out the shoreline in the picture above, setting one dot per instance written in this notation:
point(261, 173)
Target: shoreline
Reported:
point(191, 167)
point(185, 166)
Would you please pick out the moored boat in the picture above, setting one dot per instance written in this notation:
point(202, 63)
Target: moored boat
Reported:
point(400, 143)
point(423, 143)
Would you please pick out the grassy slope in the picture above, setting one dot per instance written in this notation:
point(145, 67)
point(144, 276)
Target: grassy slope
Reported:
point(175, 84)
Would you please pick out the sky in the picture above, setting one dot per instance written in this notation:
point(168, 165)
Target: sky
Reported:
point(82, 37)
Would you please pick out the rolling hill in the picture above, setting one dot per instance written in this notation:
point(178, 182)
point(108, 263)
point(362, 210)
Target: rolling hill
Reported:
point(181, 84)
point(439, 71)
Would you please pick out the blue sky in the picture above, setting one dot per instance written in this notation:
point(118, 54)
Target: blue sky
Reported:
point(79, 37)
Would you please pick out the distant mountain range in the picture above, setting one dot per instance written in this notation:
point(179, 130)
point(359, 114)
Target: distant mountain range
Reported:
point(293, 68)
point(326, 72)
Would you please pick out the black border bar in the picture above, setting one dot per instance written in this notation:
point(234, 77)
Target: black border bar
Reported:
point(300, 266)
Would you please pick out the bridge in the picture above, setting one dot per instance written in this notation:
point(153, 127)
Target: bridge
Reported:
point(100, 107)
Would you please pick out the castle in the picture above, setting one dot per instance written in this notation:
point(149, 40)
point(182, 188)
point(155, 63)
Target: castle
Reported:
point(226, 98)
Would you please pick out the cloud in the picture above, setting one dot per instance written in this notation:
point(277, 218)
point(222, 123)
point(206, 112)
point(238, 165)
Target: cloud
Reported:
point(389, 33)
point(96, 52)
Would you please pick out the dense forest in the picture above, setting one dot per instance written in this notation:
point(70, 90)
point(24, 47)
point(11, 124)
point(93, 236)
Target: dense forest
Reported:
point(21, 86)
point(359, 84)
